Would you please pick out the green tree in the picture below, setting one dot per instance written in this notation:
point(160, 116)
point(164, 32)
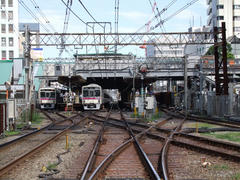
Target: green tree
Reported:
point(229, 51)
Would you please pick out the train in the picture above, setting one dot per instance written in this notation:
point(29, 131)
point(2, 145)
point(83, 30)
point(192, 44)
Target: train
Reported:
point(92, 97)
point(48, 98)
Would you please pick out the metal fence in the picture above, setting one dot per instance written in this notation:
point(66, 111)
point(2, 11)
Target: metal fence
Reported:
point(211, 105)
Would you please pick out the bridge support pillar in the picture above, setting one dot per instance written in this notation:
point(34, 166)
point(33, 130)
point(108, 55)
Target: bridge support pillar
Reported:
point(169, 85)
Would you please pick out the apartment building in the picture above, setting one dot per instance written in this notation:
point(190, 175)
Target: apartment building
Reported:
point(227, 11)
point(9, 32)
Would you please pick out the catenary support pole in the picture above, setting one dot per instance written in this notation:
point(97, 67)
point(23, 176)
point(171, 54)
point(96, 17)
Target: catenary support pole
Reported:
point(185, 86)
point(27, 49)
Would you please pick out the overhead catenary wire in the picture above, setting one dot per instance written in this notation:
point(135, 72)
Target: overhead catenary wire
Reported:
point(90, 13)
point(162, 27)
point(156, 16)
point(76, 15)
point(154, 6)
point(169, 17)
point(43, 15)
point(33, 15)
point(65, 25)
point(174, 14)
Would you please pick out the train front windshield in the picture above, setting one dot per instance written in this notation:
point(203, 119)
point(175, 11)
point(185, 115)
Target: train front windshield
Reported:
point(47, 94)
point(91, 92)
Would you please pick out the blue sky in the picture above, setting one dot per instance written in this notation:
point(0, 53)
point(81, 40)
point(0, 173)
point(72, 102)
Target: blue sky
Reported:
point(133, 14)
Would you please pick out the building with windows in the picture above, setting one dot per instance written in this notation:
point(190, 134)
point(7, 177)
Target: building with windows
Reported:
point(198, 49)
point(227, 11)
point(9, 29)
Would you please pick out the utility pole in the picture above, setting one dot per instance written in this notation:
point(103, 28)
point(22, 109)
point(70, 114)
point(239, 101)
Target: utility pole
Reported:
point(224, 59)
point(185, 85)
point(221, 79)
point(27, 58)
point(133, 89)
point(116, 24)
point(216, 56)
point(201, 86)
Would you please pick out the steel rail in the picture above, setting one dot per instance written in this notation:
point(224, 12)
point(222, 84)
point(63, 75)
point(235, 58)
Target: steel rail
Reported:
point(29, 134)
point(142, 125)
point(58, 122)
point(21, 158)
point(151, 170)
point(109, 158)
point(234, 157)
point(118, 150)
point(164, 151)
point(206, 140)
point(182, 134)
point(92, 156)
point(210, 121)
point(25, 136)
point(176, 132)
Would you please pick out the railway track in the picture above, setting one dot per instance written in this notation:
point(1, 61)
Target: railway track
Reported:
point(220, 122)
point(117, 154)
point(145, 151)
point(177, 139)
point(16, 151)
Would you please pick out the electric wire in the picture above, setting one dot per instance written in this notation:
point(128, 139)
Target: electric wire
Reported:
point(65, 26)
point(43, 15)
point(159, 13)
point(156, 16)
point(33, 15)
point(76, 15)
point(153, 9)
point(162, 27)
point(90, 13)
point(174, 14)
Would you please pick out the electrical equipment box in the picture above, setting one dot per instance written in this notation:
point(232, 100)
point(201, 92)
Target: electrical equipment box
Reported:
point(149, 102)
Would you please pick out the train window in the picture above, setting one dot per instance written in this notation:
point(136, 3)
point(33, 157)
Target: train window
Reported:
point(97, 92)
point(52, 94)
point(91, 93)
point(42, 94)
point(85, 93)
